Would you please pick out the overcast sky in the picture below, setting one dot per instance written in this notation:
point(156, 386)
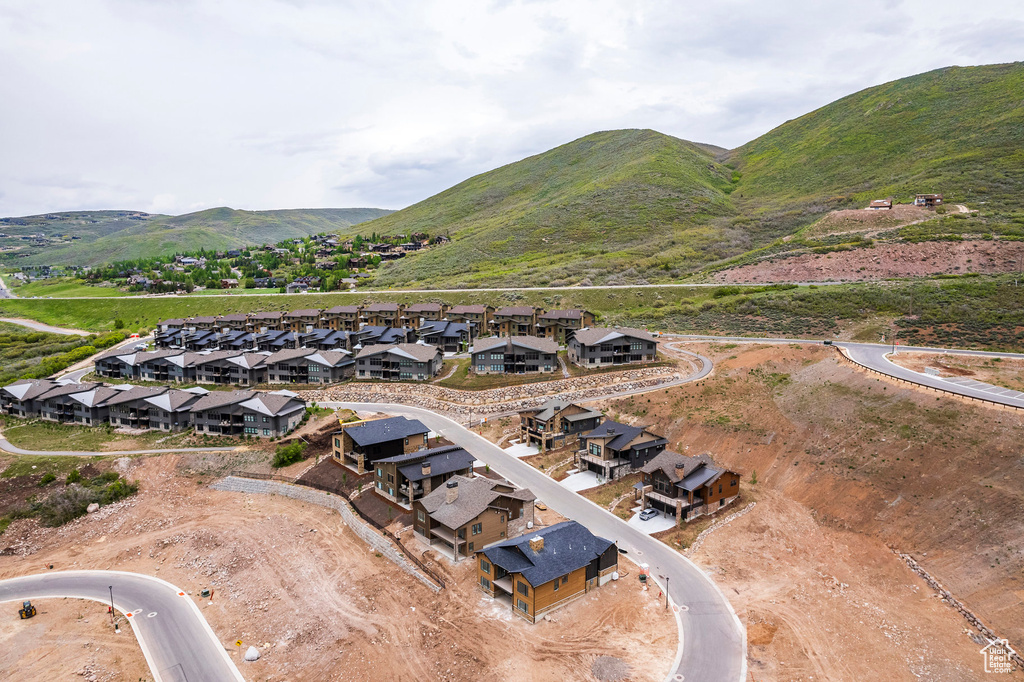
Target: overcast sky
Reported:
point(173, 107)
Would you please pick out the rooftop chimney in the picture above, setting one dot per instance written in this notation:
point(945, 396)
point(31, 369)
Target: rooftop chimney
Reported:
point(425, 467)
point(680, 468)
point(537, 543)
point(451, 492)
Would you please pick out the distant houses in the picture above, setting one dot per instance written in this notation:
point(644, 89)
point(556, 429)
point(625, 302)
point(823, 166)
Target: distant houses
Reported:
point(687, 487)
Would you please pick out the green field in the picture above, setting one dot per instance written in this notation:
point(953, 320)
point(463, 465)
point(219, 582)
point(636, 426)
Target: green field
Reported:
point(63, 287)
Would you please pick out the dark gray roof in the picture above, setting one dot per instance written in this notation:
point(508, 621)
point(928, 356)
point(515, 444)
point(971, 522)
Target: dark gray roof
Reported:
point(532, 342)
point(676, 466)
point(554, 406)
point(215, 399)
point(624, 433)
point(568, 546)
point(59, 389)
point(135, 393)
point(702, 476)
point(440, 463)
point(384, 430)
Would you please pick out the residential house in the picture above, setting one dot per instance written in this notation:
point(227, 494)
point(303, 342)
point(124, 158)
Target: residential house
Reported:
point(235, 321)
point(168, 338)
point(236, 413)
point(555, 424)
point(358, 445)
point(247, 369)
point(928, 200)
point(419, 313)
point(229, 283)
point(399, 362)
point(880, 204)
point(116, 364)
point(370, 335)
point(613, 449)
point(329, 366)
point(201, 339)
point(173, 323)
point(470, 513)
point(57, 403)
point(289, 366)
point(513, 355)
point(213, 367)
point(514, 321)
point(90, 407)
point(382, 315)
point(450, 337)
point(302, 320)
point(166, 367)
point(326, 339)
point(22, 398)
point(341, 318)
point(478, 317)
point(557, 324)
point(129, 409)
point(687, 487)
point(273, 341)
point(409, 476)
point(264, 322)
point(546, 568)
point(296, 288)
point(601, 346)
point(204, 322)
point(236, 340)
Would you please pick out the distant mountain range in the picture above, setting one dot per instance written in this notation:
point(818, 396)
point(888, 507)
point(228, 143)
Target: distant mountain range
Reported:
point(636, 205)
point(105, 236)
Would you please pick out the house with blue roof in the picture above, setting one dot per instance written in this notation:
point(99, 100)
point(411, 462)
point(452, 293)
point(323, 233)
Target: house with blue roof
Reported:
point(545, 569)
point(359, 444)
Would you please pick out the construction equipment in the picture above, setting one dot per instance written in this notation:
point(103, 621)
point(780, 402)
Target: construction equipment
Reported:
point(27, 610)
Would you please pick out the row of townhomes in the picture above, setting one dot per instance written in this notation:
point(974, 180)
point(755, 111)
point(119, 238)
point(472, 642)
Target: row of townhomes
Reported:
point(480, 518)
point(480, 320)
point(229, 413)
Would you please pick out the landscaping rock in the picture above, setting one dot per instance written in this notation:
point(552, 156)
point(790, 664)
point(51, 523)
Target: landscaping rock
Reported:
point(92, 508)
point(252, 654)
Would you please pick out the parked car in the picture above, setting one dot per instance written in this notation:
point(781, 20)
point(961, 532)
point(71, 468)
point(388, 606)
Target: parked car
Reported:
point(648, 514)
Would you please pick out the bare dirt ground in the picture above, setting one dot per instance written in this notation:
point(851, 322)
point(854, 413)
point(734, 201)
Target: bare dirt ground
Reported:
point(849, 467)
point(862, 220)
point(883, 261)
point(293, 580)
point(1007, 372)
point(68, 639)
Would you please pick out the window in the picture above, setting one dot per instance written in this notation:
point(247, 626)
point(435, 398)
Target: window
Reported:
point(380, 485)
point(251, 429)
point(420, 516)
point(380, 473)
point(424, 439)
point(471, 547)
point(481, 368)
point(556, 584)
point(565, 579)
point(719, 488)
point(248, 417)
point(266, 420)
point(266, 432)
point(733, 483)
point(523, 589)
point(337, 442)
point(522, 606)
point(502, 517)
point(478, 528)
point(485, 583)
point(485, 566)
point(595, 449)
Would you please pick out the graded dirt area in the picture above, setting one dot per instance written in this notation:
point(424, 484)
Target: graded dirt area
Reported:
point(869, 220)
point(884, 261)
point(1006, 372)
point(848, 468)
point(291, 579)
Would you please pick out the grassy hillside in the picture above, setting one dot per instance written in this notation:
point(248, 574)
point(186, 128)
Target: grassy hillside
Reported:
point(121, 235)
point(627, 201)
point(956, 131)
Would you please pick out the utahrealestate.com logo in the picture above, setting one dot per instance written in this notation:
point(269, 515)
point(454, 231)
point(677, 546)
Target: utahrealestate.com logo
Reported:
point(998, 656)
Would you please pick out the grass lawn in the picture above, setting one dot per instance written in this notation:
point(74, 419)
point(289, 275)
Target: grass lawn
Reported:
point(65, 288)
point(552, 458)
point(27, 465)
point(44, 435)
point(605, 494)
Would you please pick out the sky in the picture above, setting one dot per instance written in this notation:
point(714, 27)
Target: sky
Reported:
point(175, 106)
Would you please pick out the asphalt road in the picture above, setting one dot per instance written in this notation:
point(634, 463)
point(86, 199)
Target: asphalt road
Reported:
point(873, 356)
point(40, 327)
point(178, 643)
point(713, 642)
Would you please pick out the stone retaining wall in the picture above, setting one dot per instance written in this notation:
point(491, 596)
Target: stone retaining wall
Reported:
point(457, 403)
point(368, 534)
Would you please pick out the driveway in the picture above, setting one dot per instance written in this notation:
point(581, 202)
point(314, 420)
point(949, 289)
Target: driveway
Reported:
point(580, 481)
point(713, 641)
point(656, 525)
point(176, 640)
point(522, 450)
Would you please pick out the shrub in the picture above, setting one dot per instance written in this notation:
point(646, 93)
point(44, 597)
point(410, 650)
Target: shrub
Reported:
point(65, 505)
point(47, 479)
point(74, 477)
point(288, 454)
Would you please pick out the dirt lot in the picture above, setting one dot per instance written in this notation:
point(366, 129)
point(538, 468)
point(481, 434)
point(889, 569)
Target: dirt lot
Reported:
point(1007, 372)
point(290, 578)
point(883, 261)
point(849, 466)
point(861, 220)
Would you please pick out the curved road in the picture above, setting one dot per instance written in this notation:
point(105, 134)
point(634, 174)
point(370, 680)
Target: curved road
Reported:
point(713, 641)
point(874, 356)
point(40, 327)
point(178, 643)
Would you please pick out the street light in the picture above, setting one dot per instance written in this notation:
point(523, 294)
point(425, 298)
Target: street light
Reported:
point(111, 604)
point(665, 578)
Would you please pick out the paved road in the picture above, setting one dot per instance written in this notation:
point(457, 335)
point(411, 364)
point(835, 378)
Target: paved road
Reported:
point(713, 639)
point(873, 356)
point(4, 291)
point(178, 643)
point(40, 327)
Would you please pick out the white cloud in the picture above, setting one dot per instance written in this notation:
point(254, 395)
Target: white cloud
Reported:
point(274, 104)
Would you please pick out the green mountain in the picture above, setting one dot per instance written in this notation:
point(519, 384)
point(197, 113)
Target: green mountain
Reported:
point(958, 131)
point(105, 236)
point(620, 201)
point(636, 205)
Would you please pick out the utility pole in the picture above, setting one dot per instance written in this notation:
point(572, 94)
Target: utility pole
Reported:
point(666, 592)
